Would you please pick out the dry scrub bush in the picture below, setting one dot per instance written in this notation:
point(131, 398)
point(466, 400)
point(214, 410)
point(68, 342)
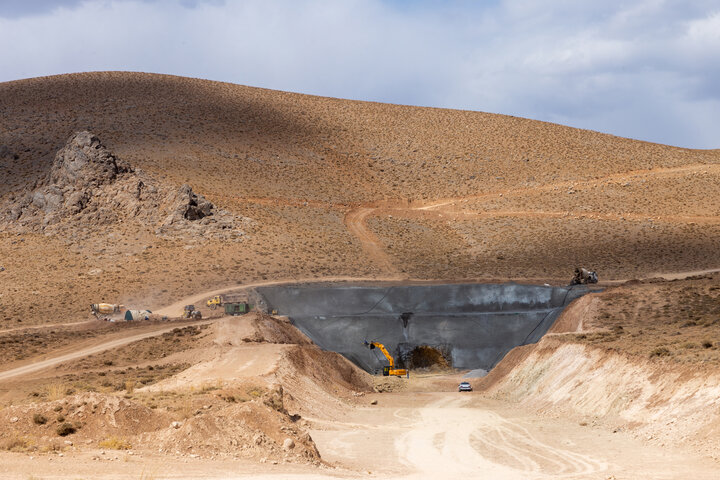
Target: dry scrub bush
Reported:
point(39, 419)
point(186, 409)
point(130, 386)
point(17, 443)
point(660, 352)
point(56, 391)
point(210, 386)
point(65, 429)
point(115, 443)
point(256, 391)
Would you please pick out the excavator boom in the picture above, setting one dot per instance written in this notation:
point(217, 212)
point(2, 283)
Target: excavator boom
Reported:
point(390, 369)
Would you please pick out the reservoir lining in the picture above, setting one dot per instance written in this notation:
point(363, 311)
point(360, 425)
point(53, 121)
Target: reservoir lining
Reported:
point(476, 324)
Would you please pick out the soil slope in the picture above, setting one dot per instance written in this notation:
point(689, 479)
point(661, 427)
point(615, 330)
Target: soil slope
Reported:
point(329, 187)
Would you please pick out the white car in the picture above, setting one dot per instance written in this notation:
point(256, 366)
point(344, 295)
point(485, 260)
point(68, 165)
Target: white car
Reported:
point(465, 387)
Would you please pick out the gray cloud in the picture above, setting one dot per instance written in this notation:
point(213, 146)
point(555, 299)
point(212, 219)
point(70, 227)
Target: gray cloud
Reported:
point(647, 70)
point(20, 8)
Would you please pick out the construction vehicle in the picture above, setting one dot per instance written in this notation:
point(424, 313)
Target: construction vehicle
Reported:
point(220, 300)
point(584, 276)
point(388, 369)
point(190, 312)
point(237, 308)
point(105, 309)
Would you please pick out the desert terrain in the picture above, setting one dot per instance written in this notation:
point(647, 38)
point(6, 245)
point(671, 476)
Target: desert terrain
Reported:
point(156, 192)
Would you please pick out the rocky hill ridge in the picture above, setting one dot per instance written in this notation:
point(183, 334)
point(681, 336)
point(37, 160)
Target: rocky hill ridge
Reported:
point(88, 186)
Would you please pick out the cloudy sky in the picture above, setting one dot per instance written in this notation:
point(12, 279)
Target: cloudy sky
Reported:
point(645, 69)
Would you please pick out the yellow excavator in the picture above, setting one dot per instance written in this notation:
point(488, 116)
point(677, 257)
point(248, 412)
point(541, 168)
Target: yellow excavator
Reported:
point(388, 369)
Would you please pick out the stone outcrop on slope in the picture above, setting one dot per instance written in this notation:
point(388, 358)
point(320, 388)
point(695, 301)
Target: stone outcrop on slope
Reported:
point(88, 187)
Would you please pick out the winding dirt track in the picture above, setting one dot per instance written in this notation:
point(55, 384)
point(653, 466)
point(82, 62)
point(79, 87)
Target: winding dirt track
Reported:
point(355, 222)
point(36, 366)
point(451, 208)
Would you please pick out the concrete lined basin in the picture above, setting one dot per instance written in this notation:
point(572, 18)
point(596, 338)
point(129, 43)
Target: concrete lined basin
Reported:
point(474, 324)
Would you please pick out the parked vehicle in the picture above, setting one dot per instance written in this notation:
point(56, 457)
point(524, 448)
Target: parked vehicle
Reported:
point(237, 308)
point(464, 387)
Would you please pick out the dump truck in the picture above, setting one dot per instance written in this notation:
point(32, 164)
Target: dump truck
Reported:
point(387, 369)
point(220, 300)
point(237, 308)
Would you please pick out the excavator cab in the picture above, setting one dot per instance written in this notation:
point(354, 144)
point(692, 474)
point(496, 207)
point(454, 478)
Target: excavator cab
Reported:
point(386, 371)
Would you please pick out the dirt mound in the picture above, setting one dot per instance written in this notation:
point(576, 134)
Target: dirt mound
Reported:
point(427, 357)
point(319, 383)
point(89, 417)
point(89, 187)
point(251, 429)
point(273, 330)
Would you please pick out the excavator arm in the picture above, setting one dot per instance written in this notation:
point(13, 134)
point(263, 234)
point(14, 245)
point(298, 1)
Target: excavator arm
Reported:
point(382, 348)
point(389, 370)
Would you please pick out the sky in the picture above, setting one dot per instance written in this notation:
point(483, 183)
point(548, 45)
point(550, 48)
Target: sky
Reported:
point(645, 69)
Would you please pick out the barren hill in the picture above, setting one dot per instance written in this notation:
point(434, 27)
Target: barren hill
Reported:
point(329, 187)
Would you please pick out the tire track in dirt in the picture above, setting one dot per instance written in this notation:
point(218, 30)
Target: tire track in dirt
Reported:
point(614, 178)
point(355, 223)
point(355, 217)
point(108, 345)
point(452, 439)
point(440, 212)
point(49, 326)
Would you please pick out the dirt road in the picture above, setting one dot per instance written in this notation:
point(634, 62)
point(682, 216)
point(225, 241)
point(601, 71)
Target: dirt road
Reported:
point(84, 352)
point(452, 208)
point(451, 435)
point(355, 223)
point(176, 308)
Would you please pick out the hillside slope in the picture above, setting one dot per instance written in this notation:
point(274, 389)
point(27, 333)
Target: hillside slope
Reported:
point(336, 187)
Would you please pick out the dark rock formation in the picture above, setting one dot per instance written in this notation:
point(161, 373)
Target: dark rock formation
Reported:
point(89, 187)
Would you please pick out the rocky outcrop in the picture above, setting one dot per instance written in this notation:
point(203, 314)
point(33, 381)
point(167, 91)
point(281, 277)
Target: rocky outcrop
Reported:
point(189, 205)
point(89, 187)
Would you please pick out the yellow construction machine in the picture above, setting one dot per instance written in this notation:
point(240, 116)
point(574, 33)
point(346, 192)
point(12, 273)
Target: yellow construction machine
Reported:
point(388, 369)
point(106, 309)
point(220, 300)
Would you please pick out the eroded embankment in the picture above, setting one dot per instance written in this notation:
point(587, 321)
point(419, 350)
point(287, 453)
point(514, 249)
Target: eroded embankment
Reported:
point(662, 402)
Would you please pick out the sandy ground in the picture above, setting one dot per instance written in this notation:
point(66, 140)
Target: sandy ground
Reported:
point(416, 435)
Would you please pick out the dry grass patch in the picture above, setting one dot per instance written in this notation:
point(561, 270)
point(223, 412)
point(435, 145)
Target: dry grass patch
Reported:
point(56, 391)
point(115, 443)
point(18, 443)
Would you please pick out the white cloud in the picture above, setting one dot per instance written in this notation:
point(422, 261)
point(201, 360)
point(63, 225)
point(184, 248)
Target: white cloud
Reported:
point(649, 70)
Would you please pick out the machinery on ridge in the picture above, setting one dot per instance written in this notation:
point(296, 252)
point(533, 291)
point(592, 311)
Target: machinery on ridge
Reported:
point(584, 276)
point(388, 369)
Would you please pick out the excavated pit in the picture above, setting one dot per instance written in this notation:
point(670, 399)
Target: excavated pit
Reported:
point(466, 326)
